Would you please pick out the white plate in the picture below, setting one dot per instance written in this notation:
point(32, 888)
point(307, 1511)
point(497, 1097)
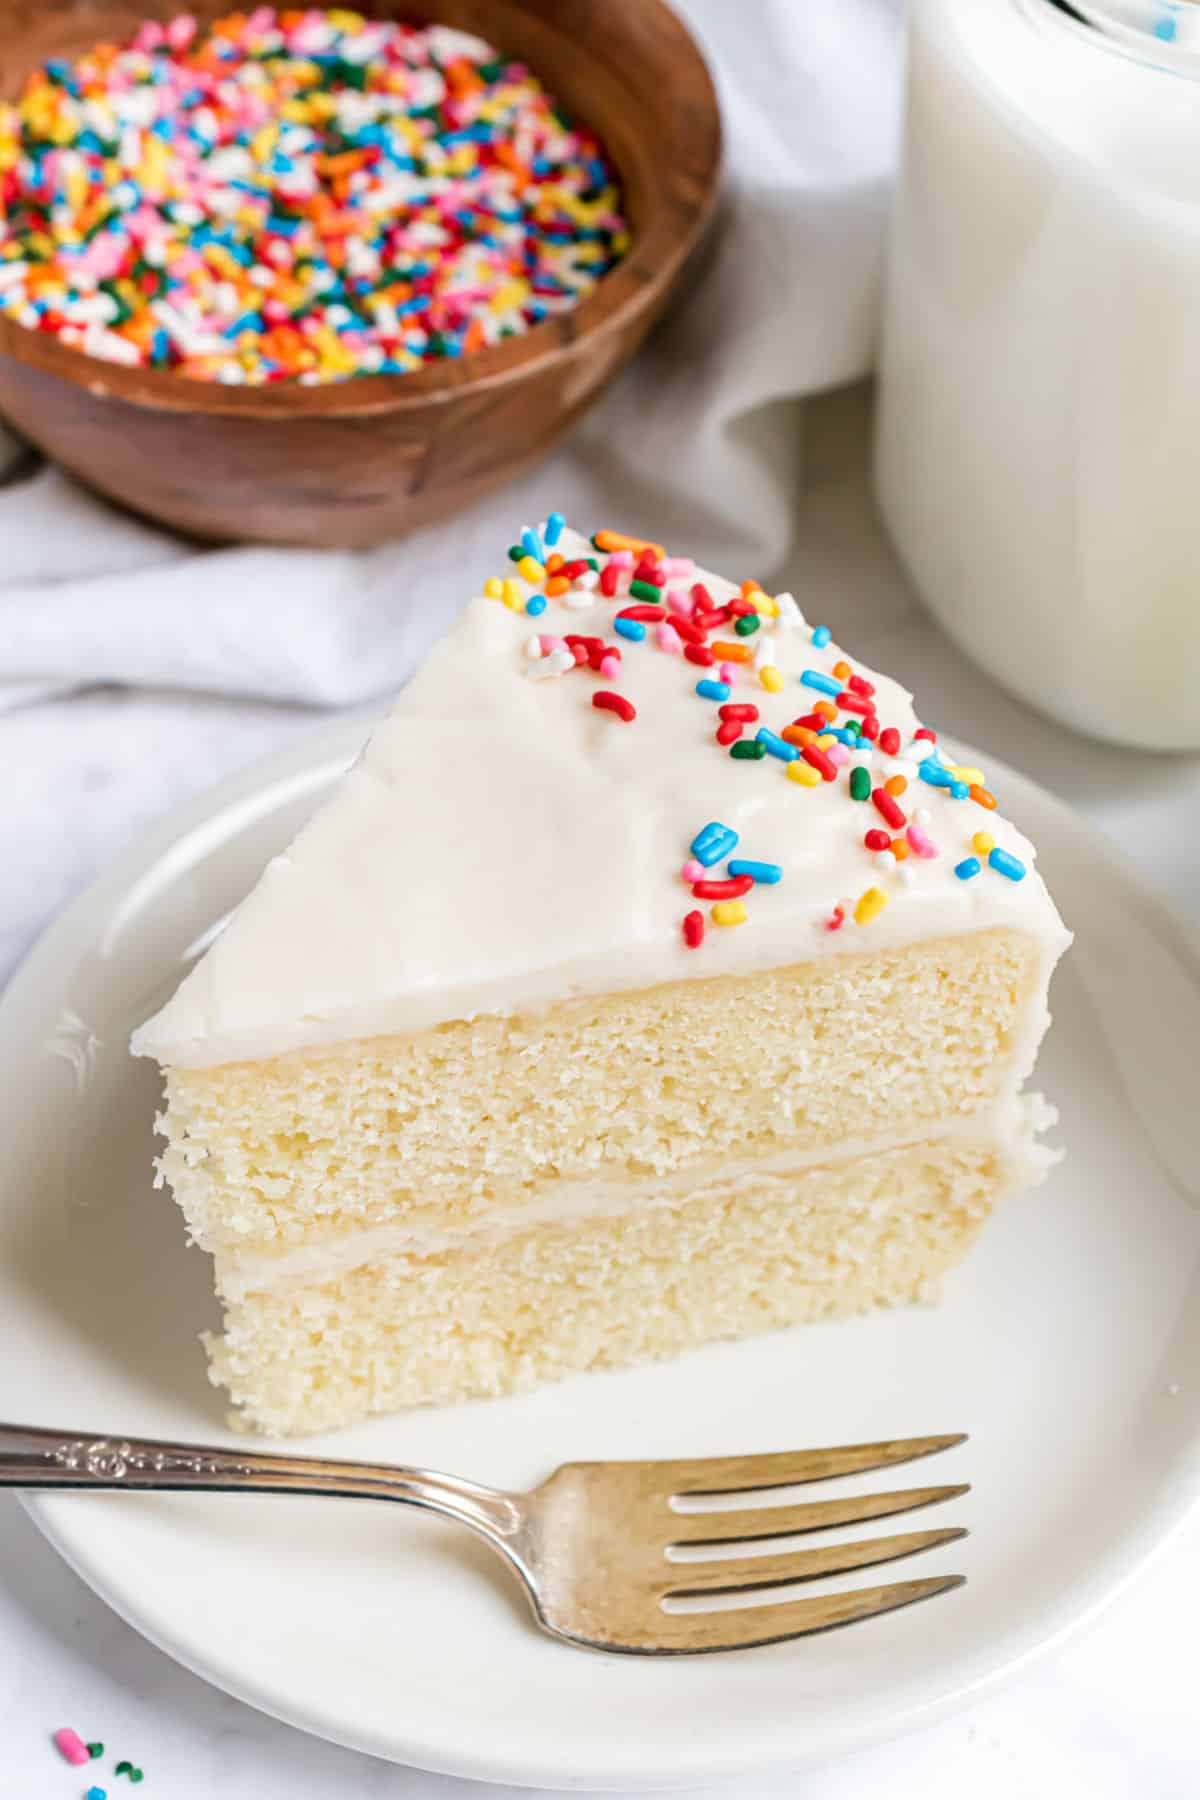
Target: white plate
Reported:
point(1069, 1347)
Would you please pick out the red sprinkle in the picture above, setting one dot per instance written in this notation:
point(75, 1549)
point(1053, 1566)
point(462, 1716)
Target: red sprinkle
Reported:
point(729, 732)
point(738, 608)
point(859, 684)
point(870, 728)
point(733, 889)
point(699, 654)
point(739, 710)
point(889, 740)
point(836, 919)
point(579, 651)
point(813, 722)
point(885, 803)
point(817, 759)
point(854, 703)
point(924, 732)
point(687, 629)
point(701, 595)
point(647, 615)
point(574, 569)
point(877, 840)
point(609, 575)
point(615, 703)
point(708, 618)
point(693, 930)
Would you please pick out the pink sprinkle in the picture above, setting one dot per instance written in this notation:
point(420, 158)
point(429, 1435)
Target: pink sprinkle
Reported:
point(838, 753)
point(924, 846)
point(610, 665)
point(692, 870)
point(728, 673)
point(668, 638)
point(550, 644)
point(678, 568)
point(621, 559)
point(181, 31)
point(680, 603)
point(71, 1746)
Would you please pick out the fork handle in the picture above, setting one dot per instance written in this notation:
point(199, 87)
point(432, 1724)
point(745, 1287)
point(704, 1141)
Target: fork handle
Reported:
point(33, 1458)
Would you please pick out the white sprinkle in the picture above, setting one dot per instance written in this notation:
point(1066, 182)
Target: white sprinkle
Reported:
point(764, 649)
point(557, 663)
point(789, 613)
point(533, 647)
point(589, 579)
point(885, 862)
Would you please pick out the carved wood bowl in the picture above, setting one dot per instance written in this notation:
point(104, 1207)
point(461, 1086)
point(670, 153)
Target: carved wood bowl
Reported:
point(359, 461)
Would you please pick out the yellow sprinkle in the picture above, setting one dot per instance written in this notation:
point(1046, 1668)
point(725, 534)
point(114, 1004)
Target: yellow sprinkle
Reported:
point(512, 596)
point(771, 678)
point(493, 587)
point(968, 775)
point(825, 740)
point(766, 606)
point(804, 773)
point(870, 905)
point(983, 842)
point(729, 912)
point(531, 569)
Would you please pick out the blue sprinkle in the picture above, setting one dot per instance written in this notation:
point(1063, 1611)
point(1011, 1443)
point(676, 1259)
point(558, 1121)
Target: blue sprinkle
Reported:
point(535, 606)
point(766, 873)
point(95, 1793)
point(707, 690)
point(958, 790)
point(821, 636)
point(1006, 864)
point(1165, 30)
point(932, 771)
point(775, 746)
point(969, 866)
point(713, 842)
point(531, 543)
point(555, 526)
point(824, 684)
point(630, 628)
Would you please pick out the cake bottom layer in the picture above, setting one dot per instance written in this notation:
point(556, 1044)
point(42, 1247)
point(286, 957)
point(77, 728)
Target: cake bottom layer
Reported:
point(495, 1316)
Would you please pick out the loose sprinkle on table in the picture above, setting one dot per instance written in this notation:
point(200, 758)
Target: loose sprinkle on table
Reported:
point(71, 1746)
point(297, 195)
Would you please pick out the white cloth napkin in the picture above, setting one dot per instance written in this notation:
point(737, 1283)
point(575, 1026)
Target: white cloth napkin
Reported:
point(699, 441)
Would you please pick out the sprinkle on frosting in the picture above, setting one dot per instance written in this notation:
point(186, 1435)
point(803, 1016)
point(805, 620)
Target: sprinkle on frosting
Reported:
point(301, 195)
point(661, 609)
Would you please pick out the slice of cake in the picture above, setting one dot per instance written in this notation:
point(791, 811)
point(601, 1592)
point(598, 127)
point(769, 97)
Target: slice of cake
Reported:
point(652, 978)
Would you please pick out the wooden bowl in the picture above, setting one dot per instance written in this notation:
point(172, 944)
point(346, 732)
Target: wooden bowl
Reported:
point(366, 459)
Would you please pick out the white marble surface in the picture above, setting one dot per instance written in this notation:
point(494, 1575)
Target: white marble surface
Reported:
point(1110, 1716)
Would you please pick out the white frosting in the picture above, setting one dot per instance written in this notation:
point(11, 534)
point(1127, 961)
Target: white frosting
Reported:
point(502, 844)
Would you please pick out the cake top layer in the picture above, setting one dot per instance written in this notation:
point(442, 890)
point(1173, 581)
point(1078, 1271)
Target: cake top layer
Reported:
point(613, 772)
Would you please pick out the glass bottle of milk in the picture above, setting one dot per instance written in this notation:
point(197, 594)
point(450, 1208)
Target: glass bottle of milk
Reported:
point(1038, 438)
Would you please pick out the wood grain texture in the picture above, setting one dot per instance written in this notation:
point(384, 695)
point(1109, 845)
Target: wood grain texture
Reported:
point(357, 462)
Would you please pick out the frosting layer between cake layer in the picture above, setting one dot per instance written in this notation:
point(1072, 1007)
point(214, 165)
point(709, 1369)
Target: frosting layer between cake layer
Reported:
point(504, 845)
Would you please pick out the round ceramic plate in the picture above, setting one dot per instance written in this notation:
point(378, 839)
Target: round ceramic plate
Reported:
point(1068, 1347)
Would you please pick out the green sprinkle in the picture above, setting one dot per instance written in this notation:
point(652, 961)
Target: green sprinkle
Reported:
point(646, 590)
point(860, 784)
point(748, 750)
point(124, 1768)
point(747, 624)
point(95, 1750)
point(515, 552)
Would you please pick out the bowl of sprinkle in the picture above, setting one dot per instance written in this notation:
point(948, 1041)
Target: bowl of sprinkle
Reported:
point(318, 277)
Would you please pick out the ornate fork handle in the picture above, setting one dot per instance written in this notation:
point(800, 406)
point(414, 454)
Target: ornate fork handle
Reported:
point(31, 1458)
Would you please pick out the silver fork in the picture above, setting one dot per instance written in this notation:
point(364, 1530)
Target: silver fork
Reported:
point(596, 1545)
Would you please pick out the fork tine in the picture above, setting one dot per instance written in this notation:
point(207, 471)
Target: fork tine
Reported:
point(742, 1526)
point(743, 1574)
point(690, 1633)
point(782, 1468)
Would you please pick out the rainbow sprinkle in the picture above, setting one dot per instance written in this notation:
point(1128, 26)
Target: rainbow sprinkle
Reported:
point(842, 729)
point(297, 195)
